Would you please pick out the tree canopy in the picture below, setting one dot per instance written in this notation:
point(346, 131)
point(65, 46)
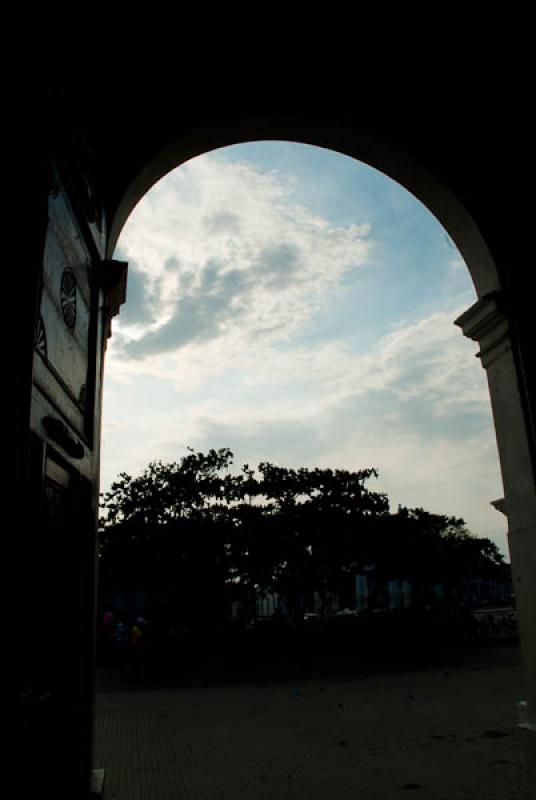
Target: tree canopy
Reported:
point(209, 535)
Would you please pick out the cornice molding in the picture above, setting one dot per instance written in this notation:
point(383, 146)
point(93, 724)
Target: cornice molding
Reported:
point(500, 505)
point(486, 323)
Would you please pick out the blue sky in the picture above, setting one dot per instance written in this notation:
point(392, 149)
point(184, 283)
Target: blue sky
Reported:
point(297, 306)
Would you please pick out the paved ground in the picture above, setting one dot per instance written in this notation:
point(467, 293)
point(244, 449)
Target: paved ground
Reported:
point(443, 733)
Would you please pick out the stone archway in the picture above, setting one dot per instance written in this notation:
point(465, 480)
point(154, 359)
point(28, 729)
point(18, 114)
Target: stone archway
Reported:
point(396, 164)
point(103, 172)
point(489, 322)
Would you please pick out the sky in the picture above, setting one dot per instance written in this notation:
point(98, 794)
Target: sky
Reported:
point(297, 306)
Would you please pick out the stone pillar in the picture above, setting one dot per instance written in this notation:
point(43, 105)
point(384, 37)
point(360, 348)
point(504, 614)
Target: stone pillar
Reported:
point(487, 323)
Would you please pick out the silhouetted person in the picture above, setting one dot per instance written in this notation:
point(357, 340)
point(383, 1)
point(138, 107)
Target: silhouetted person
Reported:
point(137, 647)
point(121, 647)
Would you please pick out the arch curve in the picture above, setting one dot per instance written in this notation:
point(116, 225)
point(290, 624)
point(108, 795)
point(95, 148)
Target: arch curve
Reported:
point(375, 151)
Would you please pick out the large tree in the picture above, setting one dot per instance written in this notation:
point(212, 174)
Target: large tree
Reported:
point(323, 524)
point(207, 536)
point(194, 523)
point(165, 531)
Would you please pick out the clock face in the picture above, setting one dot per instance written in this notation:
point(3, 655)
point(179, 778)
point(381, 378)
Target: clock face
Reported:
point(68, 298)
point(62, 335)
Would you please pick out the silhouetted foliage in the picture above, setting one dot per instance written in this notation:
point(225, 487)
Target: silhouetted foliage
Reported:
point(197, 533)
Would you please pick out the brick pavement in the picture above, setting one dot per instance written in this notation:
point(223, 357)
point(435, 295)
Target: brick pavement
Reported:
point(435, 733)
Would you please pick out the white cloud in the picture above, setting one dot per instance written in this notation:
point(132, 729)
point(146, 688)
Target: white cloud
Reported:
point(219, 360)
point(416, 407)
point(236, 252)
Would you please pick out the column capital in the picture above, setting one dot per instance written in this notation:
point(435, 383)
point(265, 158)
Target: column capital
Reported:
point(111, 276)
point(486, 323)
